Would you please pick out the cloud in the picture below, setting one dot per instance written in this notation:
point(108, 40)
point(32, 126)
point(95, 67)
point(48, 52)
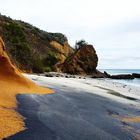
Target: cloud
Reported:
point(132, 25)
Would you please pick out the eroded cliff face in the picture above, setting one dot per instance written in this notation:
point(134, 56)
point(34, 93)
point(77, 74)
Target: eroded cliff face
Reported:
point(83, 61)
point(2, 47)
point(6, 67)
point(63, 51)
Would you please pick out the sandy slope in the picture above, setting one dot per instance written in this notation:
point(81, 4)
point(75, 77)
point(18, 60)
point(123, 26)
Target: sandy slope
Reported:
point(11, 83)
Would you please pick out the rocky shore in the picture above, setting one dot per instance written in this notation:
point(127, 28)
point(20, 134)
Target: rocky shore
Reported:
point(97, 75)
point(122, 76)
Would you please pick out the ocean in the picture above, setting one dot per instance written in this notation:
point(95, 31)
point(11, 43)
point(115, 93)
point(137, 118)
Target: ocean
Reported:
point(134, 82)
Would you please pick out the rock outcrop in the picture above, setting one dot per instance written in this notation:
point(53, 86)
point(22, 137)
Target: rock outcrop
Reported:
point(122, 76)
point(119, 76)
point(136, 75)
point(83, 61)
point(63, 51)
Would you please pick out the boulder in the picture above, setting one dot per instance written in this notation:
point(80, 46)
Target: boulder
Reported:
point(84, 61)
point(49, 75)
point(136, 75)
point(122, 76)
point(107, 75)
point(98, 74)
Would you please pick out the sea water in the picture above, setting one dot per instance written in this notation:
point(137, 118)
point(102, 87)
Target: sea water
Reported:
point(134, 82)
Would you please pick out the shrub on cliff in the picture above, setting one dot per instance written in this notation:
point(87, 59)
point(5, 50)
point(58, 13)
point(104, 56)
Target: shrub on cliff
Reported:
point(51, 59)
point(80, 43)
point(20, 49)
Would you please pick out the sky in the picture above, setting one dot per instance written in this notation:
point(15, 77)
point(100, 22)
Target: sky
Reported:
point(112, 26)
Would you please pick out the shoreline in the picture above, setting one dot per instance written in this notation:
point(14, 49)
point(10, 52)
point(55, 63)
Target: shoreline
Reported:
point(97, 84)
point(80, 105)
point(127, 78)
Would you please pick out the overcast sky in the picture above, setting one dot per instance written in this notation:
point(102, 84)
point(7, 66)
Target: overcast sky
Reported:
point(112, 26)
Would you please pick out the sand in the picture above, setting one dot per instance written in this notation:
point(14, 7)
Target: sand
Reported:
point(13, 82)
point(132, 119)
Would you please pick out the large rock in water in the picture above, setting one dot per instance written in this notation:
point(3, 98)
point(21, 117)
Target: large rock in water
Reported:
point(119, 76)
point(83, 61)
point(136, 75)
point(122, 76)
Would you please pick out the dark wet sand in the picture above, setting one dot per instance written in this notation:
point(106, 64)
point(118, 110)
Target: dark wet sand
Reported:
point(72, 115)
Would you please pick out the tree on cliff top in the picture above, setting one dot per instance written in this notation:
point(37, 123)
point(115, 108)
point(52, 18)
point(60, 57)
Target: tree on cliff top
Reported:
point(80, 44)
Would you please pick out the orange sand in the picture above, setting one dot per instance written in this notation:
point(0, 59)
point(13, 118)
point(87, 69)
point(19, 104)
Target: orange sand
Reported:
point(133, 119)
point(12, 82)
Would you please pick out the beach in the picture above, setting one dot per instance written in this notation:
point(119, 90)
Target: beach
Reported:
point(82, 109)
point(69, 70)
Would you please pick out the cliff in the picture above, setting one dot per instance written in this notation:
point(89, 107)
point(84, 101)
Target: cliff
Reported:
point(31, 49)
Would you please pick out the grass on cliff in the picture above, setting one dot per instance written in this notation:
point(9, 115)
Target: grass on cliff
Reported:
point(22, 52)
point(20, 49)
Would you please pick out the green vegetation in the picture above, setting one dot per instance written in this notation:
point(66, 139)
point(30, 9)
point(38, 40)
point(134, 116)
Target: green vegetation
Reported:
point(20, 49)
point(80, 43)
point(51, 59)
point(58, 37)
point(47, 69)
point(14, 33)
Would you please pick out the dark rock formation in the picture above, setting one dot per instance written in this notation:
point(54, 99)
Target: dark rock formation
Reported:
point(98, 74)
point(107, 75)
point(83, 61)
point(122, 76)
point(136, 75)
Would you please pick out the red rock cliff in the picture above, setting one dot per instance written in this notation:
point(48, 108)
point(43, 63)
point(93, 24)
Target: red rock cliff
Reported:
point(83, 61)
